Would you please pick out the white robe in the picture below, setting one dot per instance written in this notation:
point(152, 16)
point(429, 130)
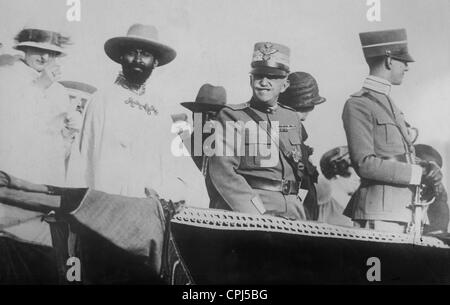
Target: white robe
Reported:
point(32, 145)
point(124, 150)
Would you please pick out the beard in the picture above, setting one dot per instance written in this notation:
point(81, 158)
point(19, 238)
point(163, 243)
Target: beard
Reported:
point(136, 73)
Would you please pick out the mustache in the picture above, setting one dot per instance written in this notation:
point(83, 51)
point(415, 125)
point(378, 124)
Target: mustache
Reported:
point(137, 65)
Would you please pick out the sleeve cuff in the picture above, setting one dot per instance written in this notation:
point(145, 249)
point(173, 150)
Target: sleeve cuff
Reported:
point(416, 175)
point(258, 204)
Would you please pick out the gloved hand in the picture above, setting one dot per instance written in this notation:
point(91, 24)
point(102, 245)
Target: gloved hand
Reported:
point(431, 173)
point(427, 192)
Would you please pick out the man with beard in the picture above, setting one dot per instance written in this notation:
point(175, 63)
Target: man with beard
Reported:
point(125, 140)
point(265, 177)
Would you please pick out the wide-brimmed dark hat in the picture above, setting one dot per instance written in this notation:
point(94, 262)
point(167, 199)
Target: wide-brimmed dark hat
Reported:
point(41, 39)
point(270, 59)
point(302, 93)
point(209, 98)
point(428, 153)
point(391, 43)
point(140, 36)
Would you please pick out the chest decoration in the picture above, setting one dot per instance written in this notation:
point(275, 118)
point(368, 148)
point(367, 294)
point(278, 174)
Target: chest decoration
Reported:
point(296, 155)
point(146, 107)
point(285, 128)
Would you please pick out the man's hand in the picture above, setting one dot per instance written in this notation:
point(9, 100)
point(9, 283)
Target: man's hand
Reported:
point(48, 76)
point(431, 173)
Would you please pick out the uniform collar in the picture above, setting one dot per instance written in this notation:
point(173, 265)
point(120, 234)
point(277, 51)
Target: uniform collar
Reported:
point(377, 84)
point(124, 83)
point(263, 107)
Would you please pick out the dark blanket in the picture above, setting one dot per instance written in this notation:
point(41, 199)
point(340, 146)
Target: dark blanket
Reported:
point(26, 263)
point(119, 240)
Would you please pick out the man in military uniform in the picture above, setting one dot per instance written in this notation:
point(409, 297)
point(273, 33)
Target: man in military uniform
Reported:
point(255, 182)
point(379, 140)
point(303, 95)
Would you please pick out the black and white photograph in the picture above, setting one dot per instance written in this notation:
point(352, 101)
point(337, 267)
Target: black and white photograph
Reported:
point(221, 142)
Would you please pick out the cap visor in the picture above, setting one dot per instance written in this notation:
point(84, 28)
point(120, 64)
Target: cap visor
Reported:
point(268, 71)
point(403, 57)
point(318, 100)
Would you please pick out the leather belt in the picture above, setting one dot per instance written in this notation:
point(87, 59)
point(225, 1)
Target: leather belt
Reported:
point(286, 187)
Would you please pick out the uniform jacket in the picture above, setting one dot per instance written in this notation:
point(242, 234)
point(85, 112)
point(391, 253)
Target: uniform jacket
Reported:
point(373, 138)
point(227, 176)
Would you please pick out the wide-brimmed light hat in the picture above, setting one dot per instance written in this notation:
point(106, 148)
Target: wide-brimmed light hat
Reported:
point(142, 36)
point(41, 39)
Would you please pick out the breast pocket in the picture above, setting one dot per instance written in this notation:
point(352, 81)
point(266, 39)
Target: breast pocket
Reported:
point(387, 132)
point(294, 144)
point(294, 137)
point(255, 152)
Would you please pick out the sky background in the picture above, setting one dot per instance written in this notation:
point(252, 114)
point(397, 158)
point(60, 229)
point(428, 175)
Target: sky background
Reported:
point(214, 40)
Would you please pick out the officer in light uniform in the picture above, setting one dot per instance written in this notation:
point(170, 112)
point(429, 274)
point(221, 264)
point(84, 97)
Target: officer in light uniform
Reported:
point(379, 140)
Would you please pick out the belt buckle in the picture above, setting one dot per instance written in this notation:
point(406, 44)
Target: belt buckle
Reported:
point(285, 187)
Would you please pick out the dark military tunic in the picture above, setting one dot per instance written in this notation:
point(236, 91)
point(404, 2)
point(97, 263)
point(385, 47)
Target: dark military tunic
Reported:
point(230, 178)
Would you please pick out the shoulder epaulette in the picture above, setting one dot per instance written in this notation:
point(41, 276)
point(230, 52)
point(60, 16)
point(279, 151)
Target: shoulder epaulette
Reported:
point(286, 107)
point(238, 106)
point(359, 93)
